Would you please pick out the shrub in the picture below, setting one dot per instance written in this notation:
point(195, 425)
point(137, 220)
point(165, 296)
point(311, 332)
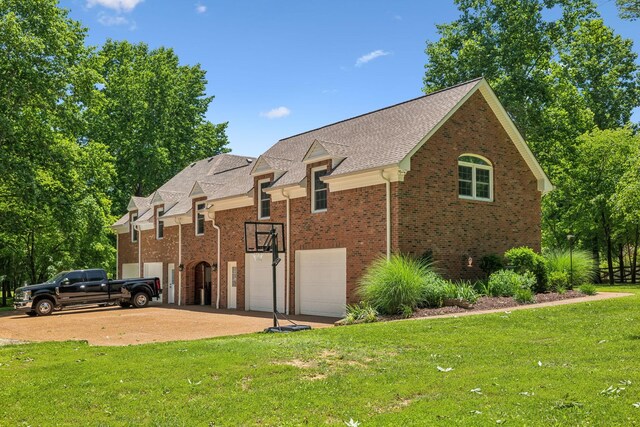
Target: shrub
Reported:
point(406, 311)
point(524, 296)
point(359, 313)
point(434, 291)
point(588, 289)
point(491, 263)
point(389, 285)
point(524, 260)
point(504, 283)
point(462, 291)
point(584, 269)
point(558, 281)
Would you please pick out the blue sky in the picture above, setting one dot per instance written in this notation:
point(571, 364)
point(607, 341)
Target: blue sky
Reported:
point(281, 67)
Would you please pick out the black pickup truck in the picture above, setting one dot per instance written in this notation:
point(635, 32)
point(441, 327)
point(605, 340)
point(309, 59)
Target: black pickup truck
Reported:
point(83, 287)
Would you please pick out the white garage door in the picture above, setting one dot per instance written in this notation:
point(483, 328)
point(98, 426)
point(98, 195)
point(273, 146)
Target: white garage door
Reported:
point(154, 269)
point(130, 271)
point(259, 283)
point(322, 281)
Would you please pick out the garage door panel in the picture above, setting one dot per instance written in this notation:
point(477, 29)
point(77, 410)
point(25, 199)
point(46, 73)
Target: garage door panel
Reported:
point(154, 269)
point(130, 271)
point(259, 279)
point(323, 282)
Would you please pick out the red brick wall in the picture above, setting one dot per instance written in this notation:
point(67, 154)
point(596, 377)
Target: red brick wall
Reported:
point(426, 215)
point(432, 217)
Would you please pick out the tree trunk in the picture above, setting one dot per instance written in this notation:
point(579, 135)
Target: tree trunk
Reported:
point(610, 259)
point(4, 293)
point(621, 262)
point(595, 251)
point(634, 259)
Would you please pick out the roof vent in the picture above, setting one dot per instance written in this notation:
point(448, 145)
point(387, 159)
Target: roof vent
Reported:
point(193, 164)
point(210, 158)
point(249, 160)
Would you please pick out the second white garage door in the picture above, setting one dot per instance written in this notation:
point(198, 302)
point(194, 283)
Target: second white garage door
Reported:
point(259, 282)
point(322, 281)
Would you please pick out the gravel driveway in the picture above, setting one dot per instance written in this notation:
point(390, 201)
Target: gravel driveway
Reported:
point(120, 326)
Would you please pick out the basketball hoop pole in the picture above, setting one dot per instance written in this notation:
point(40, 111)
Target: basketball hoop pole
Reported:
point(274, 264)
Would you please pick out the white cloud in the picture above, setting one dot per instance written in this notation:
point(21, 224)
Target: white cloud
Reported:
point(117, 5)
point(110, 20)
point(397, 18)
point(276, 113)
point(371, 56)
point(200, 8)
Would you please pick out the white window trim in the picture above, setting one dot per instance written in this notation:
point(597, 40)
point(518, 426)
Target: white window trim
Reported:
point(200, 211)
point(313, 189)
point(474, 167)
point(159, 214)
point(134, 217)
point(260, 216)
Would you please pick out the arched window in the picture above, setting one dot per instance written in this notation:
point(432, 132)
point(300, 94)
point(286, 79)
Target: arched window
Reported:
point(475, 178)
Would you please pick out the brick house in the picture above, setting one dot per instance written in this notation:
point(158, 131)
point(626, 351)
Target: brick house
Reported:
point(447, 173)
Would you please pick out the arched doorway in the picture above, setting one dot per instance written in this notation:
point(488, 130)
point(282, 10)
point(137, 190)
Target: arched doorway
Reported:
point(202, 281)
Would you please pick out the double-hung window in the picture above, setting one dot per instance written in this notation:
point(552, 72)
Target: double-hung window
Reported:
point(475, 178)
point(264, 200)
point(134, 230)
point(159, 224)
point(318, 191)
point(200, 219)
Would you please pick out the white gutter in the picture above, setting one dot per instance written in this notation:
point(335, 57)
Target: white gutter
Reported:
point(179, 221)
point(287, 255)
point(388, 188)
point(213, 219)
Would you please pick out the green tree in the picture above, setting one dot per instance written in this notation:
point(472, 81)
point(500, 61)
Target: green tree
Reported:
point(151, 117)
point(47, 81)
point(604, 160)
point(629, 9)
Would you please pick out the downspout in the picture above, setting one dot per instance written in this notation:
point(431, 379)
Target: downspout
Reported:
point(213, 219)
point(137, 227)
point(388, 188)
point(179, 221)
point(117, 255)
point(287, 255)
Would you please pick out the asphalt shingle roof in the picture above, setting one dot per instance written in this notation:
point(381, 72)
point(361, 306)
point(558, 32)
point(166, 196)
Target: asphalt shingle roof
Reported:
point(380, 138)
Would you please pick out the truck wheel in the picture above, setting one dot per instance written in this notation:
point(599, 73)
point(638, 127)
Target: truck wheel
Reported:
point(141, 299)
point(124, 304)
point(44, 307)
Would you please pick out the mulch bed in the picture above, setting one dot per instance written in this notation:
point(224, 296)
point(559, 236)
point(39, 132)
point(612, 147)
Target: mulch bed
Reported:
point(487, 303)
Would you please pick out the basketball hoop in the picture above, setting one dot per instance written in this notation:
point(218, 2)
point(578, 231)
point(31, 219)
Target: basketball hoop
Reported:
point(257, 256)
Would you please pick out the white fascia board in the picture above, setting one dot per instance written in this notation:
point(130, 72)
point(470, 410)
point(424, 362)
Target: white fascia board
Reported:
point(365, 178)
point(231, 203)
point(146, 226)
point(279, 194)
point(405, 164)
point(120, 229)
point(544, 184)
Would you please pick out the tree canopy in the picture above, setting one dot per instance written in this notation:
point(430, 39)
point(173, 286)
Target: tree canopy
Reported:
point(81, 130)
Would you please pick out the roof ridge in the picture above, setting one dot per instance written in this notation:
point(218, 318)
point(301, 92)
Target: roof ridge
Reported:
point(384, 108)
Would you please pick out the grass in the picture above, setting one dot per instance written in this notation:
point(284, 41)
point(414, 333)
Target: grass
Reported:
point(9, 305)
point(544, 366)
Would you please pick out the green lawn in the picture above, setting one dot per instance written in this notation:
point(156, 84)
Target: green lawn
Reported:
point(545, 366)
point(9, 304)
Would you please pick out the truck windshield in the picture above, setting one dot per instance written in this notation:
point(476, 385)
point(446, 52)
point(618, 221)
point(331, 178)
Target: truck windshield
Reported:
point(57, 277)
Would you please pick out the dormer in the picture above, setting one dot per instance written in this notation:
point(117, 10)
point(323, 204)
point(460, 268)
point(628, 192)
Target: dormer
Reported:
point(324, 150)
point(270, 165)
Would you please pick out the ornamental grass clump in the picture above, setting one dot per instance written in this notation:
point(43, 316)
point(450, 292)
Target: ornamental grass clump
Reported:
point(583, 271)
point(390, 286)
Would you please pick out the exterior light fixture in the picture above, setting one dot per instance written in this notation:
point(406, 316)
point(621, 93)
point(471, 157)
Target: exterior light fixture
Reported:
point(181, 267)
